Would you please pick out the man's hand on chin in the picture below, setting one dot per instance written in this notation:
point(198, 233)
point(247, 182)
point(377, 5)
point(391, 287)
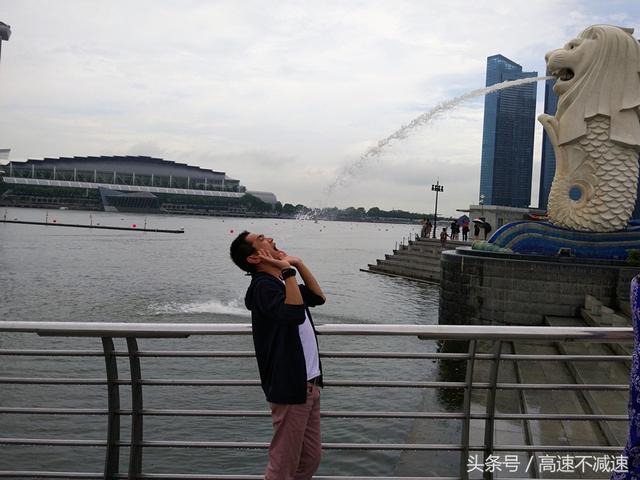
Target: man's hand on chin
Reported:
point(293, 261)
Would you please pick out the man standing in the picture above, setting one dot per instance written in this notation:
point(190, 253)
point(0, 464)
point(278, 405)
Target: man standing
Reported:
point(287, 352)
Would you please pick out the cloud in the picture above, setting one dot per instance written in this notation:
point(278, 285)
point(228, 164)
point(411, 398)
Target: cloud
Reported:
point(281, 95)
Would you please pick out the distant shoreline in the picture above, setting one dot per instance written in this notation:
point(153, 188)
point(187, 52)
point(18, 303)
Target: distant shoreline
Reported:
point(392, 220)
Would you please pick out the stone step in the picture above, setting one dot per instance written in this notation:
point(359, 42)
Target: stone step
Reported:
point(420, 259)
point(431, 241)
point(401, 271)
point(557, 432)
point(420, 250)
point(409, 266)
point(592, 315)
point(417, 259)
point(596, 313)
point(433, 253)
point(604, 401)
point(429, 270)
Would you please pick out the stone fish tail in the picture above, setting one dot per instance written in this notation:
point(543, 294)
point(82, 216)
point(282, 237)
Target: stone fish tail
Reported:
point(606, 176)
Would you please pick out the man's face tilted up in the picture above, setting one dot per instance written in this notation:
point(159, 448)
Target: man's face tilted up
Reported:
point(260, 242)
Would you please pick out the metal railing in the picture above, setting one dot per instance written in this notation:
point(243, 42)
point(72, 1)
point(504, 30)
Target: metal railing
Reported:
point(476, 339)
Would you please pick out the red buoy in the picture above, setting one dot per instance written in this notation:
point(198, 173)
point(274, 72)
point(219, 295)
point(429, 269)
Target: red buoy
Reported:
point(134, 225)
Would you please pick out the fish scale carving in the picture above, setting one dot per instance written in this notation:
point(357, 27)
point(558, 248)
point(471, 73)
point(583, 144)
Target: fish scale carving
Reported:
point(612, 199)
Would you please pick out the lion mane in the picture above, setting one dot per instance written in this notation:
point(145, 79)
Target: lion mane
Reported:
point(610, 87)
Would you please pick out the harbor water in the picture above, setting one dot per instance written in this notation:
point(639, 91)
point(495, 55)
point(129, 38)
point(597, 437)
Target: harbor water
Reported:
point(66, 274)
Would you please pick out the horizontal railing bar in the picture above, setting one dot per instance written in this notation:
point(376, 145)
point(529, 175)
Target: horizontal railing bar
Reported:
point(557, 358)
point(387, 446)
point(329, 354)
point(325, 446)
point(197, 353)
point(53, 353)
point(325, 414)
point(555, 448)
point(335, 383)
point(397, 384)
point(555, 386)
point(53, 442)
point(324, 354)
point(39, 474)
point(229, 445)
point(378, 414)
point(171, 382)
point(346, 383)
point(53, 411)
point(555, 416)
point(441, 332)
point(56, 381)
point(395, 355)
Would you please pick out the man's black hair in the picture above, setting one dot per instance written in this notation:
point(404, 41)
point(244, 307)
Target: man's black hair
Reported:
point(240, 250)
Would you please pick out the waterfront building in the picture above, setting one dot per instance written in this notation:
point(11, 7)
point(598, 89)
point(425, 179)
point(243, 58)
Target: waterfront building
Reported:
point(126, 183)
point(507, 140)
point(548, 160)
point(497, 215)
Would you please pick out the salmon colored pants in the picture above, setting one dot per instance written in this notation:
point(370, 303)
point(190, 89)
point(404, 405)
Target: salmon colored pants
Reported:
point(295, 450)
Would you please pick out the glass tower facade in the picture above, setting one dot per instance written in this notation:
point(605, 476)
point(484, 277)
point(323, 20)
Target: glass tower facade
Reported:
point(507, 140)
point(548, 165)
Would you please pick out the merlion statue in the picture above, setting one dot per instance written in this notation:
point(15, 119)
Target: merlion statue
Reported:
point(596, 129)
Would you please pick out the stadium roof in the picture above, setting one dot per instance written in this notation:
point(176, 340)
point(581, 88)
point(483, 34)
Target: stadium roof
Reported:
point(127, 188)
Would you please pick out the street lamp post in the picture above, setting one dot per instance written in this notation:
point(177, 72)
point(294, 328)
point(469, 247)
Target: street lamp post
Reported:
point(5, 33)
point(436, 188)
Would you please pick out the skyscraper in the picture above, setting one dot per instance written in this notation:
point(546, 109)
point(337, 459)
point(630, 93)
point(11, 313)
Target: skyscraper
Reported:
point(548, 165)
point(507, 140)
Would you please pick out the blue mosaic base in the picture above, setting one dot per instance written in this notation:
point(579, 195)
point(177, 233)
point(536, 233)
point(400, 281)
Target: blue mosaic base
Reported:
point(541, 238)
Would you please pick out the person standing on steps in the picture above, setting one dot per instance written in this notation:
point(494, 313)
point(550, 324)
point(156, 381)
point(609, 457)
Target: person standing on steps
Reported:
point(443, 237)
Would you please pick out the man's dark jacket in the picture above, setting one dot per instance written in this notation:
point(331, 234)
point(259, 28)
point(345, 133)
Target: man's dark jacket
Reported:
point(283, 371)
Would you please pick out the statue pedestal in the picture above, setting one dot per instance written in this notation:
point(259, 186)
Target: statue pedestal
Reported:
point(544, 239)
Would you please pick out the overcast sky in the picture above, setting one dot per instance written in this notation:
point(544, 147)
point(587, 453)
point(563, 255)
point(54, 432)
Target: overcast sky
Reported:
point(282, 95)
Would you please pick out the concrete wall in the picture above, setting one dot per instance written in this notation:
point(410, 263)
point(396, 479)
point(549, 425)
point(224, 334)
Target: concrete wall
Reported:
point(486, 288)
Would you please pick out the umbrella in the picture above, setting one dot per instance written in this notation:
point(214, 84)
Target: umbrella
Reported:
point(478, 220)
point(463, 220)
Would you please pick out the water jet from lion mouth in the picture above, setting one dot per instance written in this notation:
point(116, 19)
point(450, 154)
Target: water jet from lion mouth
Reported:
point(350, 171)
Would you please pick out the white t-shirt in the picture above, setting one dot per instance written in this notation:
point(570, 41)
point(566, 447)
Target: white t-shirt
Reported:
point(310, 348)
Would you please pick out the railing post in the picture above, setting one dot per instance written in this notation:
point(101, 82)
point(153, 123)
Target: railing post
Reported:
point(491, 406)
point(135, 452)
point(466, 424)
point(112, 456)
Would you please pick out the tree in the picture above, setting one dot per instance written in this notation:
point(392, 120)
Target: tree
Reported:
point(254, 204)
point(374, 212)
point(288, 209)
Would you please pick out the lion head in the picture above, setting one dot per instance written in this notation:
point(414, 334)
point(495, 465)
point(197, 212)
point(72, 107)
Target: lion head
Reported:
point(598, 73)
